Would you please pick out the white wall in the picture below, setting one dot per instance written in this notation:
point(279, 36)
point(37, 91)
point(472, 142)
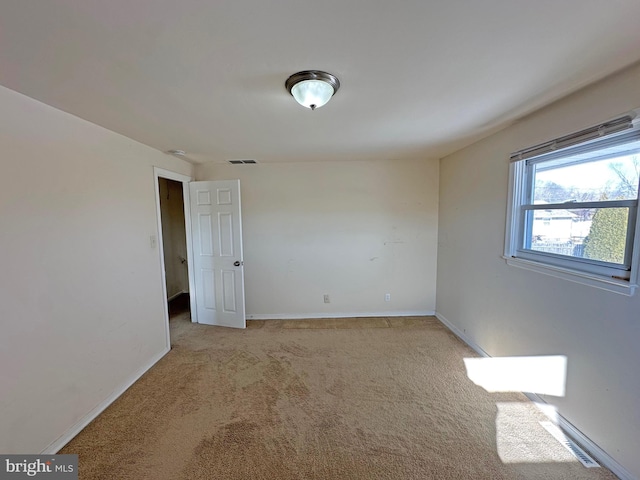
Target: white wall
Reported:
point(353, 230)
point(174, 236)
point(510, 311)
point(81, 295)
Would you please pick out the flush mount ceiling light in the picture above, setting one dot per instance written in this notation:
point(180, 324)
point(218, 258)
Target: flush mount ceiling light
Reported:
point(312, 88)
point(177, 153)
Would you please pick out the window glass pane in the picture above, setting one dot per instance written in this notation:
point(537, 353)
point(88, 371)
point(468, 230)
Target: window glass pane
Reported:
point(579, 179)
point(596, 233)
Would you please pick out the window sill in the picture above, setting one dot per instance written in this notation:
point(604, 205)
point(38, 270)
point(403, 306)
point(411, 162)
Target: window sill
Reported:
point(621, 287)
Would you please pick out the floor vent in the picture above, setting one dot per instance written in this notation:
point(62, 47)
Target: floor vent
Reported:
point(578, 452)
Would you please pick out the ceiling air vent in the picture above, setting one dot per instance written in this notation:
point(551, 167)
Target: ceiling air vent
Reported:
point(242, 162)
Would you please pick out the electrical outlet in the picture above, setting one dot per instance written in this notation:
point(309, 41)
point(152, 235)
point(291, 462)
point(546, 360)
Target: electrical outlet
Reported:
point(387, 297)
point(326, 299)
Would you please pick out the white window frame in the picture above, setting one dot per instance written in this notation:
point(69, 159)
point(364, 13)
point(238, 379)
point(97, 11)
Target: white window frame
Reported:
point(587, 272)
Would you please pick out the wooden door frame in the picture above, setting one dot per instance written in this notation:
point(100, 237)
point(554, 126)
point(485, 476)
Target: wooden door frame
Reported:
point(159, 173)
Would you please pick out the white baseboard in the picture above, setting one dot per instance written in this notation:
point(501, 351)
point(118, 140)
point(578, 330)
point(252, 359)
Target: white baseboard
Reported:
point(585, 442)
point(598, 453)
point(74, 430)
point(176, 295)
point(306, 316)
point(461, 335)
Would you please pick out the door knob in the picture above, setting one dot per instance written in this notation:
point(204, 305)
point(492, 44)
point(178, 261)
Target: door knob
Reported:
point(236, 263)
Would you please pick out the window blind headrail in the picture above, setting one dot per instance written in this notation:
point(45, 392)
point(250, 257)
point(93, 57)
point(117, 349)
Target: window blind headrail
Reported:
point(583, 136)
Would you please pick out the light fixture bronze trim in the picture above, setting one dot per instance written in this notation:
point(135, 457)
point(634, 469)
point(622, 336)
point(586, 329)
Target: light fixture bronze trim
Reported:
point(325, 77)
point(312, 75)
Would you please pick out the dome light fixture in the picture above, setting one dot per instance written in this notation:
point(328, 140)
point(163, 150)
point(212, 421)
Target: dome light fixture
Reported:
point(312, 88)
point(177, 153)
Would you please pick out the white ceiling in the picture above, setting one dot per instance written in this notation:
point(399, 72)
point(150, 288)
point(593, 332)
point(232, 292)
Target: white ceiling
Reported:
point(420, 78)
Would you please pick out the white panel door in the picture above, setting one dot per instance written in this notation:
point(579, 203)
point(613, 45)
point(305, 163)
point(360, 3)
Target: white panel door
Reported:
point(217, 253)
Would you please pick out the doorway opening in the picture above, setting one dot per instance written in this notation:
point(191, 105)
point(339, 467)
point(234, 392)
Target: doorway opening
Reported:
point(174, 238)
point(208, 211)
point(174, 247)
point(172, 203)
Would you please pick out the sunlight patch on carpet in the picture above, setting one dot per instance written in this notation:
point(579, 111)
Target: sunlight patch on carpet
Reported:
point(520, 437)
point(570, 445)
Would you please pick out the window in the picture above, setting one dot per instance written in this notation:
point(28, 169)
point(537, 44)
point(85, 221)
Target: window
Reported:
point(574, 207)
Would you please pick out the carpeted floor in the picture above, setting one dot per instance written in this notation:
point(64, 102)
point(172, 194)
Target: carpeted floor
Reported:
point(380, 398)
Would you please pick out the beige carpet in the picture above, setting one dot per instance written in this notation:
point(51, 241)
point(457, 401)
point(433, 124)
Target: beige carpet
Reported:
point(381, 398)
